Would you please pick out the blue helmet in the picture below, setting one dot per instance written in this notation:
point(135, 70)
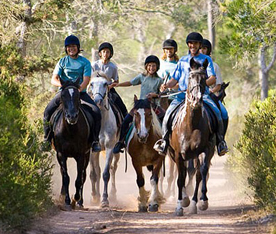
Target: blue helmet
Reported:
point(71, 40)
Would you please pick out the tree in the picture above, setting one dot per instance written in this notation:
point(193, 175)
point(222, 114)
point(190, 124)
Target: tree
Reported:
point(251, 26)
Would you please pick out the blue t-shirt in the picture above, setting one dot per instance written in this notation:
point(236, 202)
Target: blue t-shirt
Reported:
point(71, 69)
point(182, 71)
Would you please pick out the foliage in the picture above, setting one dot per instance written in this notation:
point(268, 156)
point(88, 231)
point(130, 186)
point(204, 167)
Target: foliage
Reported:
point(257, 149)
point(25, 173)
point(250, 23)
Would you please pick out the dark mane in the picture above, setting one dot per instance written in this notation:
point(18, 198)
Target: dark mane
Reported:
point(142, 103)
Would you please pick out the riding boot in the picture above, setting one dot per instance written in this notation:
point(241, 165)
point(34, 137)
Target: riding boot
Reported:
point(161, 145)
point(48, 135)
point(221, 146)
point(124, 130)
point(225, 125)
point(96, 147)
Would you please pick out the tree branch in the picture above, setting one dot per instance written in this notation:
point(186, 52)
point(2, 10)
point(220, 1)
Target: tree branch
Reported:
point(272, 60)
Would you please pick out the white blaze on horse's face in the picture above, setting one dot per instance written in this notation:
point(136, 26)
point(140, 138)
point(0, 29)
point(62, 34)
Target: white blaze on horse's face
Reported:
point(195, 89)
point(99, 89)
point(142, 129)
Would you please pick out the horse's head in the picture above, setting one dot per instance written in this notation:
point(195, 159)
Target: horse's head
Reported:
point(142, 118)
point(99, 87)
point(70, 99)
point(222, 93)
point(197, 82)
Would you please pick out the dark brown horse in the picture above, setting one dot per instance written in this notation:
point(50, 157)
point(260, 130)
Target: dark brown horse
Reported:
point(145, 133)
point(192, 137)
point(71, 139)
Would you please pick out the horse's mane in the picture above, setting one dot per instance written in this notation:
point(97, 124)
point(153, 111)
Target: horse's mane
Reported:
point(99, 73)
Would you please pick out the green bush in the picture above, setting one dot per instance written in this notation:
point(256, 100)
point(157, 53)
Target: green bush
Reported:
point(257, 158)
point(25, 173)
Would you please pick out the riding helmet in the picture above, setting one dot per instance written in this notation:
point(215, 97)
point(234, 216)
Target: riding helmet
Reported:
point(108, 46)
point(170, 43)
point(206, 43)
point(194, 36)
point(153, 59)
point(71, 40)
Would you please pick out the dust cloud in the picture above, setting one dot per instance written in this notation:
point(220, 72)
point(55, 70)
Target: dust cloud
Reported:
point(221, 192)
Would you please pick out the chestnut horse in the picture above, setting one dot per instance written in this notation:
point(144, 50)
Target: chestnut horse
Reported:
point(71, 139)
point(191, 137)
point(146, 131)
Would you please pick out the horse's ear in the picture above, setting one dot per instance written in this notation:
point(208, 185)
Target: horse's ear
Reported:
point(205, 63)
point(226, 85)
point(135, 98)
point(193, 63)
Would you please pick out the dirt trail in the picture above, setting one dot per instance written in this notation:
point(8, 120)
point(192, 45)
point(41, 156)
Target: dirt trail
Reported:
point(228, 212)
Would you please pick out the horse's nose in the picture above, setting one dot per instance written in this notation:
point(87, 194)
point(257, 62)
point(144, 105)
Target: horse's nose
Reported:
point(98, 101)
point(71, 117)
point(143, 137)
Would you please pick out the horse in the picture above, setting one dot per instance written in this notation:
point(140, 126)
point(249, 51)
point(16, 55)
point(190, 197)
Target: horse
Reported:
point(145, 132)
point(191, 137)
point(192, 164)
point(109, 135)
point(71, 133)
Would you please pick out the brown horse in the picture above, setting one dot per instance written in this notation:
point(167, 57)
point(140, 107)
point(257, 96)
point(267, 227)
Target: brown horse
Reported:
point(191, 137)
point(146, 131)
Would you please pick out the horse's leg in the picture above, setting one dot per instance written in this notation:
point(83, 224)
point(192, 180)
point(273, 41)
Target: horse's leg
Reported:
point(155, 197)
point(180, 184)
point(171, 178)
point(95, 175)
point(161, 180)
point(65, 181)
point(143, 194)
point(106, 177)
point(191, 172)
point(82, 163)
point(193, 208)
point(204, 170)
point(113, 170)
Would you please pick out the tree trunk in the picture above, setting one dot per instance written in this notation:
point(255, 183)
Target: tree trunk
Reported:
point(210, 21)
point(264, 70)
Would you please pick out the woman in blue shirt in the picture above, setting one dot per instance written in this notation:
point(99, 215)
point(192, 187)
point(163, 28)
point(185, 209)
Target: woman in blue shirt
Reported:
point(72, 67)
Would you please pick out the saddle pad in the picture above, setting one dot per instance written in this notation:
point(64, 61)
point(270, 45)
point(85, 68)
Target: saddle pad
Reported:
point(211, 116)
point(129, 134)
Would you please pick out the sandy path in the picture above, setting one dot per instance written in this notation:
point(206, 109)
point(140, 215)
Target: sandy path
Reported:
point(228, 210)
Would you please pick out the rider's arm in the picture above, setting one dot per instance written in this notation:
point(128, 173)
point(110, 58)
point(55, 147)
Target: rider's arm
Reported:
point(172, 83)
point(124, 84)
point(211, 80)
point(55, 80)
point(216, 88)
point(85, 82)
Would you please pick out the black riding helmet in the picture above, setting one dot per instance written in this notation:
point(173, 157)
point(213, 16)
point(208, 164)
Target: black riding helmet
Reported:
point(72, 40)
point(153, 59)
point(170, 43)
point(206, 43)
point(194, 36)
point(108, 46)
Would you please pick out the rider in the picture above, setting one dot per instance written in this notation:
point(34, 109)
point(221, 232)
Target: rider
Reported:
point(150, 86)
point(168, 63)
point(110, 69)
point(72, 67)
point(206, 49)
point(180, 76)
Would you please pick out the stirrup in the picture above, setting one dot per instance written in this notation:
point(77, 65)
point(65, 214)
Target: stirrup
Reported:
point(161, 146)
point(118, 148)
point(96, 146)
point(222, 148)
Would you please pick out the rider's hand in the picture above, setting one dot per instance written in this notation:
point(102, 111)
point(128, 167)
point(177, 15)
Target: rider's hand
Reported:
point(163, 87)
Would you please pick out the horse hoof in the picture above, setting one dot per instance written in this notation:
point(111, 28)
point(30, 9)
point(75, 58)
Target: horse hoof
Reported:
point(153, 208)
point(65, 207)
point(179, 212)
point(203, 205)
point(104, 204)
point(142, 209)
point(95, 200)
point(185, 202)
point(193, 208)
